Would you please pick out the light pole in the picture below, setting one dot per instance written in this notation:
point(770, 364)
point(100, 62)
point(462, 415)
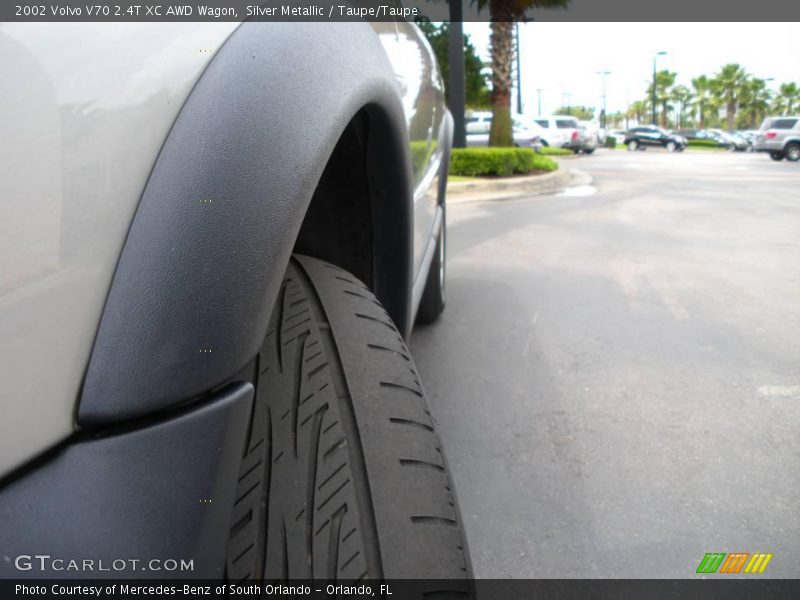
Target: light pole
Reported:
point(657, 54)
point(519, 73)
point(539, 93)
point(627, 106)
point(455, 57)
point(603, 114)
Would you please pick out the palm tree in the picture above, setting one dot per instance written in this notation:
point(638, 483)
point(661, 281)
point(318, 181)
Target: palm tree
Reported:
point(664, 82)
point(503, 14)
point(727, 86)
point(702, 94)
point(714, 107)
point(753, 103)
point(682, 95)
point(788, 98)
point(637, 111)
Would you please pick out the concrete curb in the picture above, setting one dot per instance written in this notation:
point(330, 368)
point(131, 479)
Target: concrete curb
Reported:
point(496, 189)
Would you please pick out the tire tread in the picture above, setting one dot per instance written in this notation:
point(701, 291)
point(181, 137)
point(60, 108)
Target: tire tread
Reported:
point(358, 486)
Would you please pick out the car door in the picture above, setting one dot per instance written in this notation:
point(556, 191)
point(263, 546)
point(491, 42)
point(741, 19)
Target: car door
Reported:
point(547, 135)
point(425, 112)
point(650, 136)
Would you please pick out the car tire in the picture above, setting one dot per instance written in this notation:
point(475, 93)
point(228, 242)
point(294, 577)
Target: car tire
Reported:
point(792, 152)
point(671, 146)
point(776, 156)
point(433, 297)
point(343, 475)
point(633, 145)
point(589, 151)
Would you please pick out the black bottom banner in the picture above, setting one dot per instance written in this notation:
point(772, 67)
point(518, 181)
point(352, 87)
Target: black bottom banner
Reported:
point(479, 589)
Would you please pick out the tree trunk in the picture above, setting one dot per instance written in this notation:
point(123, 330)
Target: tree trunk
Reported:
point(702, 115)
point(502, 49)
point(731, 115)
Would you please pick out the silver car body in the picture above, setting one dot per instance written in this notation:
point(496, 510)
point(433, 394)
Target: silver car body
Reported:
point(80, 131)
point(776, 133)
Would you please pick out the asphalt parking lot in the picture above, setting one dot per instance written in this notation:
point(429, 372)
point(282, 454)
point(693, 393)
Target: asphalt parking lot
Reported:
point(617, 372)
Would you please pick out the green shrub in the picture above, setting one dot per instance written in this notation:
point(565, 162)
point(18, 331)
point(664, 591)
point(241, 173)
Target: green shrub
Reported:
point(703, 144)
point(553, 151)
point(498, 162)
point(611, 142)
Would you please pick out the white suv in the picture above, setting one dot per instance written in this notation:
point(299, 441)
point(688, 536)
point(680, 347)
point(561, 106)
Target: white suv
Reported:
point(561, 131)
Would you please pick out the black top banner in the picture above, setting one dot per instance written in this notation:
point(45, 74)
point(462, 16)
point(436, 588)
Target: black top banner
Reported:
point(391, 10)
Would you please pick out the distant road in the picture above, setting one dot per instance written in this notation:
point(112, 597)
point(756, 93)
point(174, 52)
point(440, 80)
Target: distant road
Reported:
point(617, 372)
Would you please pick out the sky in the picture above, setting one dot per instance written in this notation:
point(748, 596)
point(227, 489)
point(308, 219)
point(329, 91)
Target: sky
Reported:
point(564, 58)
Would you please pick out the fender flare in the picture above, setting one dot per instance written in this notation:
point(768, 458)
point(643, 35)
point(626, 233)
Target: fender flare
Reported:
point(192, 294)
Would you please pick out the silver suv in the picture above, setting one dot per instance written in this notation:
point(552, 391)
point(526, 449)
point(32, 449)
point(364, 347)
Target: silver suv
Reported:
point(780, 136)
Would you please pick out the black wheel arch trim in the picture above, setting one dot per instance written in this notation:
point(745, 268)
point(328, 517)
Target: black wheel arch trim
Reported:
point(191, 297)
point(160, 491)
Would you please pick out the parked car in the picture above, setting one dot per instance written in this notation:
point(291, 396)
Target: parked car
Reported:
point(706, 136)
point(478, 124)
point(780, 138)
point(618, 135)
point(588, 139)
point(208, 275)
point(559, 131)
point(734, 140)
point(594, 130)
point(641, 138)
point(750, 136)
